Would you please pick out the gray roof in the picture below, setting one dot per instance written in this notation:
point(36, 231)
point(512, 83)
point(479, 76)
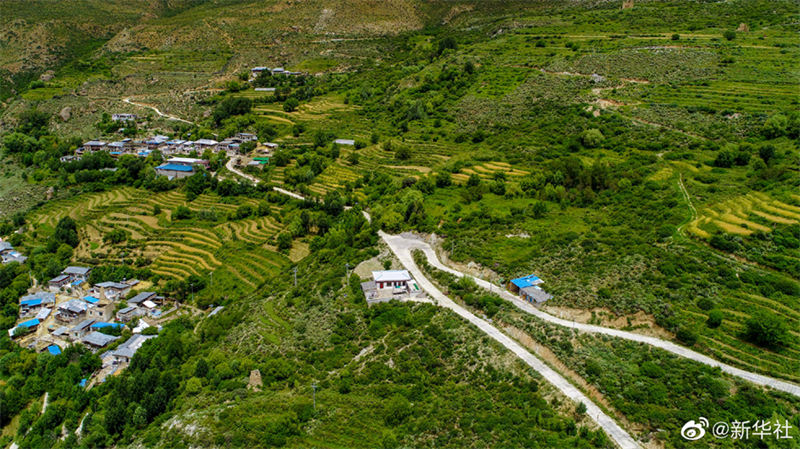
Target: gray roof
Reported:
point(129, 348)
point(143, 296)
point(83, 324)
point(98, 339)
point(61, 331)
point(73, 305)
point(116, 285)
point(216, 310)
point(59, 278)
point(126, 310)
point(537, 294)
point(46, 297)
point(5, 245)
point(81, 271)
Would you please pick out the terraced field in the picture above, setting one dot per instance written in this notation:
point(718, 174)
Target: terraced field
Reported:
point(488, 170)
point(743, 216)
point(725, 346)
point(237, 252)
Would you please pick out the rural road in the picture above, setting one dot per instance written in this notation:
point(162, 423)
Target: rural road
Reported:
point(404, 245)
point(157, 111)
point(231, 168)
point(402, 249)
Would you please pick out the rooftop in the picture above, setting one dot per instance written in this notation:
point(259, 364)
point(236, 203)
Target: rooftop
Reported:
point(98, 339)
point(526, 281)
point(81, 271)
point(143, 296)
point(391, 276)
point(175, 167)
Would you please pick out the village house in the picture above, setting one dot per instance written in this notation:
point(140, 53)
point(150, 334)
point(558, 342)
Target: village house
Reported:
point(32, 303)
point(528, 288)
point(124, 352)
point(102, 310)
point(24, 327)
point(58, 282)
point(9, 254)
point(97, 340)
point(80, 329)
point(124, 117)
point(69, 158)
point(350, 142)
point(156, 141)
point(389, 284)
point(71, 310)
point(203, 144)
point(77, 273)
point(137, 300)
point(128, 313)
point(93, 145)
point(113, 290)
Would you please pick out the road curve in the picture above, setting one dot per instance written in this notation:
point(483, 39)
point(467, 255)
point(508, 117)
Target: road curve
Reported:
point(157, 111)
point(229, 165)
point(402, 250)
point(406, 244)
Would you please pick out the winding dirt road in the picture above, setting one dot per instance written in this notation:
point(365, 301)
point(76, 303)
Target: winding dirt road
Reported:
point(157, 111)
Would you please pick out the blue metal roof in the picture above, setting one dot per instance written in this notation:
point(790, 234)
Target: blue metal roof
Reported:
point(30, 302)
point(91, 299)
point(175, 167)
point(54, 349)
point(102, 324)
point(82, 383)
point(29, 323)
point(526, 281)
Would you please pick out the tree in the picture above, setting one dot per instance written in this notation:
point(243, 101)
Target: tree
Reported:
point(591, 138)
point(397, 410)
point(291, 104)
point(284, 241)
point(724, 159)
point(775, 126)
point(766, 329)
point(181, 213)
point(714, 318)
point(443, 179)
point(474, 180)
point(66, 232)
point(766, 153)
point(402, 153)
point(686, 335)
point(729, 35)
point(676, 37)
point(448, 43)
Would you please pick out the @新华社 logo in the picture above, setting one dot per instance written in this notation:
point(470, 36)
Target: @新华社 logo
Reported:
point(694, 430)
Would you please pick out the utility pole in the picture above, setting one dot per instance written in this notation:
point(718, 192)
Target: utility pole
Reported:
point(212, 278)
point(314, 387)
point(295, 276)
point(347, 270)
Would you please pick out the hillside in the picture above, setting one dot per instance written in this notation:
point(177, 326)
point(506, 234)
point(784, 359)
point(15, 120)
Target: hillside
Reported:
point(639, 159)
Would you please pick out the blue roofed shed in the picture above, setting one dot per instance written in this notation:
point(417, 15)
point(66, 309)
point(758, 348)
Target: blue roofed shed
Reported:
point(54, 349)
point(526, 281)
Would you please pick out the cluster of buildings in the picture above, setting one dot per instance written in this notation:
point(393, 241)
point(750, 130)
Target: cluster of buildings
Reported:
point(256, 71)
point(8, 254)
point(73, 311)
point(164, 144)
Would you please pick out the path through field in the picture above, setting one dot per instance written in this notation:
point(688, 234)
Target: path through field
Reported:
point(157, 111)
